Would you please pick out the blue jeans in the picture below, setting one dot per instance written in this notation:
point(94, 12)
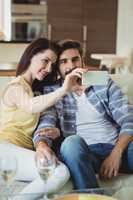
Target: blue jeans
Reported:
point(84, 161)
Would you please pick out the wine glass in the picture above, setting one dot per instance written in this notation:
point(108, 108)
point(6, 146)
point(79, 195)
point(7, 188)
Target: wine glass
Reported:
point(8, 167)
point(46, 169)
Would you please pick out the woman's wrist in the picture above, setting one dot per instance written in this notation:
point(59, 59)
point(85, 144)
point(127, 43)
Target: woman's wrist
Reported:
point(63, 91)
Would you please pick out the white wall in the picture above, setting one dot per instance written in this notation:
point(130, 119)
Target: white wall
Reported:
point(1, 15)
point(5, 18)
point(125, 27)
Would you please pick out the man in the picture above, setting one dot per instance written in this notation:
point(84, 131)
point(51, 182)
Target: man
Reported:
point(98, 121)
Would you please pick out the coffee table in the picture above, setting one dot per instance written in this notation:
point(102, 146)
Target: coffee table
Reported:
point(84, 197)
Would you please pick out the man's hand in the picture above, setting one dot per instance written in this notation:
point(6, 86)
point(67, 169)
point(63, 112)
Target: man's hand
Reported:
point(44, 151)
point(51, 132)
point(111, 165)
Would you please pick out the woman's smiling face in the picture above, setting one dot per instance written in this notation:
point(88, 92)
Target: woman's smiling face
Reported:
point(41, 64)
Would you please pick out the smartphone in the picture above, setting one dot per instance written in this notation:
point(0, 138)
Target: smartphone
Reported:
point(95, 78)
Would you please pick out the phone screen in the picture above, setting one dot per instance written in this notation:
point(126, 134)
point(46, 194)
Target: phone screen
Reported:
point(95, 78)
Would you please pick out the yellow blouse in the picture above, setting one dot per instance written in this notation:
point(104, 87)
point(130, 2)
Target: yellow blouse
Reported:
point(17, 125)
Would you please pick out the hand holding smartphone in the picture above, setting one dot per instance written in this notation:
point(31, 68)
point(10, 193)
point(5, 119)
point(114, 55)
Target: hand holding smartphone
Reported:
point(95, 78)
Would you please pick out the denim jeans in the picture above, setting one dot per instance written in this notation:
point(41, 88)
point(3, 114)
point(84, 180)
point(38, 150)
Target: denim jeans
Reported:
point(84, 160)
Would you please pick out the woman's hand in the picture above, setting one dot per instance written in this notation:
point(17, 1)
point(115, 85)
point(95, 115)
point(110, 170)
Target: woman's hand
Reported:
point(51, 132)
point(71, 79)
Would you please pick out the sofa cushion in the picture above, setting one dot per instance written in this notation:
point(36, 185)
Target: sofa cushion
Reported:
point(125, 81)
point(120, 186)
point(3, 82)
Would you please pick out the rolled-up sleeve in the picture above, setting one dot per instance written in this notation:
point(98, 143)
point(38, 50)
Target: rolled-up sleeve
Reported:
point(47, 119)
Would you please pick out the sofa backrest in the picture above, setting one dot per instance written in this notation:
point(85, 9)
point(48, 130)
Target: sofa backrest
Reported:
point(3, 82)
point(125, 81)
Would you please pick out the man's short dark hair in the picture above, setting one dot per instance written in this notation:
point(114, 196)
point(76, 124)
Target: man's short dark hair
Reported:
point(70, 44)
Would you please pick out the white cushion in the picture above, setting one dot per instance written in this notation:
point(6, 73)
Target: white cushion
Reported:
point(3, 82)
point(121, 186)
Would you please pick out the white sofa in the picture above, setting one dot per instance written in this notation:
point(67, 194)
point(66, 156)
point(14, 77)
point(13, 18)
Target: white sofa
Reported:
point(125, 81)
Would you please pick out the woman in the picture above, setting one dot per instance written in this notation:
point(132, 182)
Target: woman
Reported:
point(20, 110)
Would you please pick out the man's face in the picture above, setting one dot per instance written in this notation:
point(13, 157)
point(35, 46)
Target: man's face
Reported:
point(69, 60)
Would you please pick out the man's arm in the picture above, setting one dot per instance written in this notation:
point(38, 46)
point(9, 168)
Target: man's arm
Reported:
point(121, 110)
point(122, 113)
point(43, 143)
point(122, 143)
point(47, 119)
point(51, 132)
